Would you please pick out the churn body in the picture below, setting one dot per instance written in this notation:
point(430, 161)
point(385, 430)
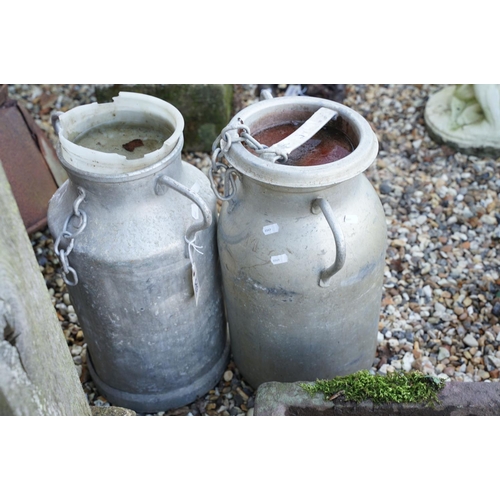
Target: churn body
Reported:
point(153, 343)
point(281, 228)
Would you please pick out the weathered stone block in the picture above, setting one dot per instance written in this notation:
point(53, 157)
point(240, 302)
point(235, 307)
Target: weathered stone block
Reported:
point(456, 399)
point(206, 108)
point(37, 373)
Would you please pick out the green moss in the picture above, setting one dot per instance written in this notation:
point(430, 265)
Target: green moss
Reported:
point(413, 387)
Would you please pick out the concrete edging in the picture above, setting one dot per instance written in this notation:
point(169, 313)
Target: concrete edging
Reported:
point(456, 399)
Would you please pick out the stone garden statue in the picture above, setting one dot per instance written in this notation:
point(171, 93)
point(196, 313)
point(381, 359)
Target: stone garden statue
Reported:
point(466, 117)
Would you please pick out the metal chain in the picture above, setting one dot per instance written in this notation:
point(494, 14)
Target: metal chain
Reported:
point(221, 147)
point(63, 253)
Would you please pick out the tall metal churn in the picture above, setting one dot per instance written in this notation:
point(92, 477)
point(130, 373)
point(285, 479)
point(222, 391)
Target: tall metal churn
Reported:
point(302, 239)
point(135, 231)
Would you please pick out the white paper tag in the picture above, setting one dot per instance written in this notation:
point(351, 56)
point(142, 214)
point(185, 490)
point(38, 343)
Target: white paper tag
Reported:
point(196, 283)
point(270, 229)
point(195, 211)
point(351, 219)
point(195, 188)
point(192, 248)
point(279, 259)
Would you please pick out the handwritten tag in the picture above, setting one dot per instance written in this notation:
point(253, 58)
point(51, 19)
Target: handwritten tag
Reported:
point(192, 248)
point(270, 229)
point(196, 283)
point(279, 259)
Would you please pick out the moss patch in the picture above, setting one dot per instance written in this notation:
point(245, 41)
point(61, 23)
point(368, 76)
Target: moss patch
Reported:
point(413, 387)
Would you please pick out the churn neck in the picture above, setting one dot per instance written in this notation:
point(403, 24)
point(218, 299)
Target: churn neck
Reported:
point(133, 137)
point(280, 110)
point(171, 165)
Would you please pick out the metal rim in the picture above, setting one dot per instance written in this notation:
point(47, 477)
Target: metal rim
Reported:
point(318, 176)
point(126, 176)
point(73, 155)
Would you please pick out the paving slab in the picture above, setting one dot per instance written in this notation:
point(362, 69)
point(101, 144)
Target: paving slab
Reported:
point(456, 399)
point(37, 373)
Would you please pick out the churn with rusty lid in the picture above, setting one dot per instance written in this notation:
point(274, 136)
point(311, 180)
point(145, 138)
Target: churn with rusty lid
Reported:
point(302, 239)
point(135, 231)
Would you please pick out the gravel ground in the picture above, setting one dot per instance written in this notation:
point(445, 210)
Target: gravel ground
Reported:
point(441, 301)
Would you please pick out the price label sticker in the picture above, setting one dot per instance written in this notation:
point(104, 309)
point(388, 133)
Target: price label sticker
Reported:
point(351, 219)
point(279, 259)
point(270, 229)
point(195, 211)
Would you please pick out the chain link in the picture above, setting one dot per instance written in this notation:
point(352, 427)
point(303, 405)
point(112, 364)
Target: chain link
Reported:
point(69, 236)
point(221, 147)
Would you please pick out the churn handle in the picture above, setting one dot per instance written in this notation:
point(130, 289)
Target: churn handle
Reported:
point(54, 118)
point(165, 180)
point(265, 94)
point(321, 205)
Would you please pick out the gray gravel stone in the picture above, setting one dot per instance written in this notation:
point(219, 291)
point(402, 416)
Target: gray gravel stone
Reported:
point(470, 341)
point(496, 309)
point(385, 188)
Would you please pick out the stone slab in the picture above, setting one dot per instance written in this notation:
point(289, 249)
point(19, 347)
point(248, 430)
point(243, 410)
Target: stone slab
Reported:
point(206, 108)
point(456, 399)
point(37, 373)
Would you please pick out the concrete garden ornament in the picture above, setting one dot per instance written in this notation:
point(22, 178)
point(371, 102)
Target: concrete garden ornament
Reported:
point(466, 117)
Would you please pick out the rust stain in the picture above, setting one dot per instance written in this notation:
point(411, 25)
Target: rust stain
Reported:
point(135, 143)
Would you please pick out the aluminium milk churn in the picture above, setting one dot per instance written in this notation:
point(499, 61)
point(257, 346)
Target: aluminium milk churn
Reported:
point(135, 231)
point(302, 239)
